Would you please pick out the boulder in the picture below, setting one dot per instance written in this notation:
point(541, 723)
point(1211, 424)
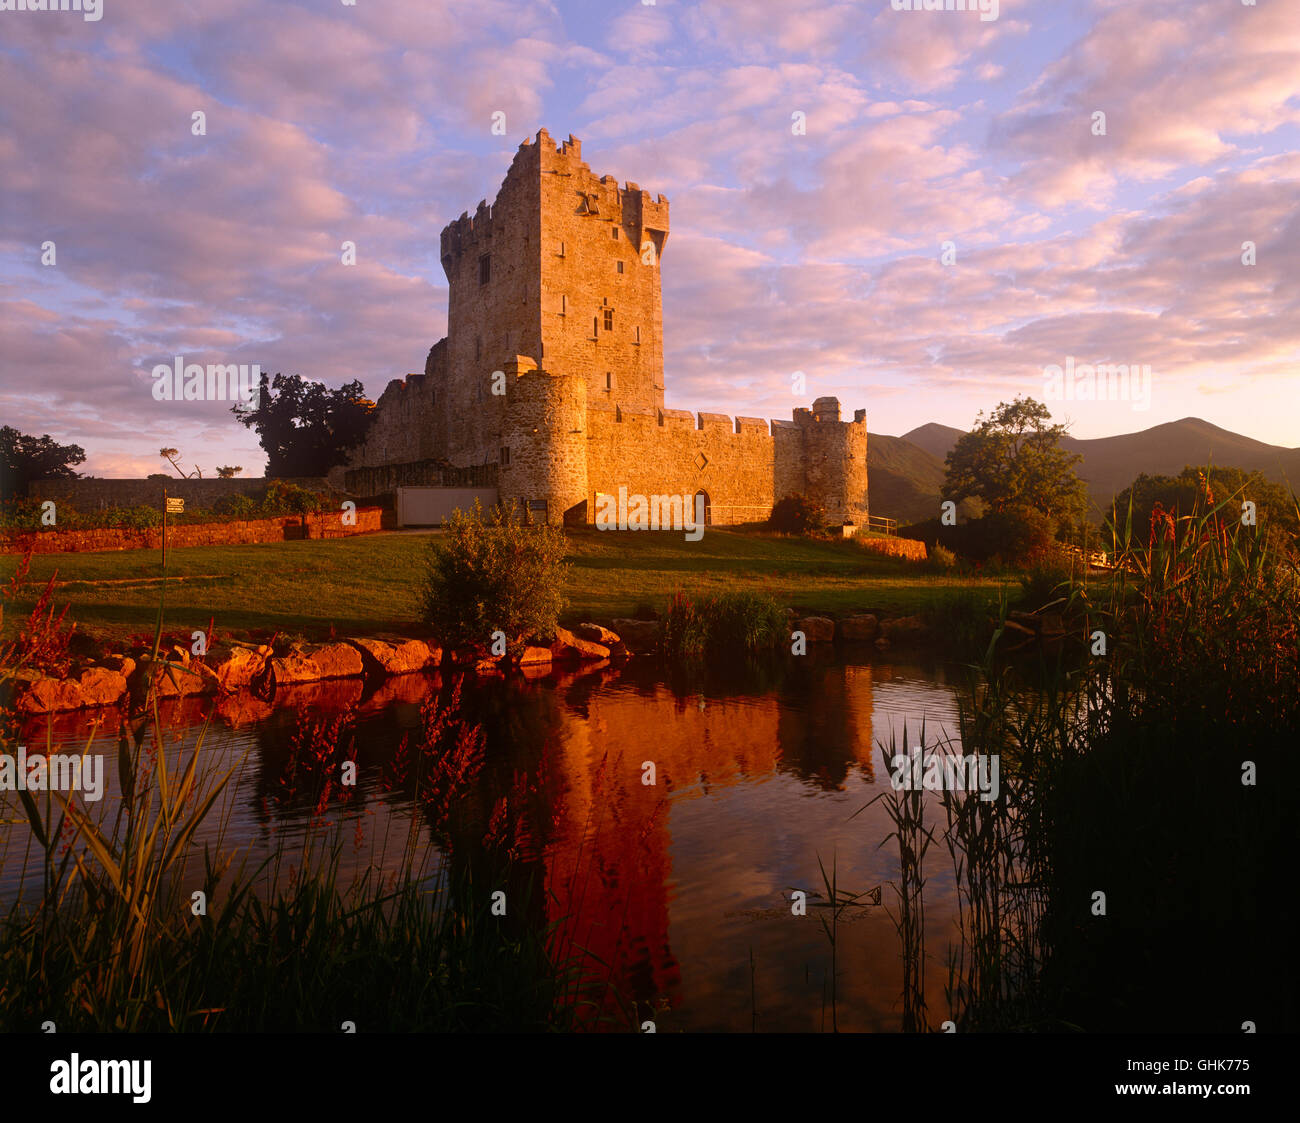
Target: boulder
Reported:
point(178, 682)
point(595, 633)
point(338, 660)
point(638, 635)
point(47, 695)
point(239, 668)
point(534, 657)
point(102, 687)
point(295, 667)
point(382, 657)
point(567, 646)
point(124, 665)
point(859, 629)
point(816, 629)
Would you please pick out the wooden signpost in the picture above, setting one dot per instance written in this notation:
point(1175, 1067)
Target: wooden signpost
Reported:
point(171, 506)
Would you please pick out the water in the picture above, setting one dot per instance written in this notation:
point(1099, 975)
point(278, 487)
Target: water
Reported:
point(684, 886)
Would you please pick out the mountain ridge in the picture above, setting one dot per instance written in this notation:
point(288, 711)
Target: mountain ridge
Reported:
point(911, 467)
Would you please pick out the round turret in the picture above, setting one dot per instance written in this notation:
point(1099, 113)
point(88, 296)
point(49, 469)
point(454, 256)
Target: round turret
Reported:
point(544, 446)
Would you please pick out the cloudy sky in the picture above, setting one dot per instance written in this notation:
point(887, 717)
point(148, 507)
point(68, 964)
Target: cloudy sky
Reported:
point(816, 249)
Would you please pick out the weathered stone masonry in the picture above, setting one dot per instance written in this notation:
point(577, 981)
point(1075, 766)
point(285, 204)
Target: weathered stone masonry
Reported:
point(555, 299)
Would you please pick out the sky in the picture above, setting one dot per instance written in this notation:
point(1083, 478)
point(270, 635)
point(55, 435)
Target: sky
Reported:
point(918, 212)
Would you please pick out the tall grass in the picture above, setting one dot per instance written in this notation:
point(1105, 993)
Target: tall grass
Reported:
point(740, 623)
point(1122, 773)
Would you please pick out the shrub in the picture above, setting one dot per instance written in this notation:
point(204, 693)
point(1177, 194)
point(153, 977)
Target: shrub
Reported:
point(491, 573)
point(125, 518)
point(237, 507)
point(723, 623)
point(20, 514)
point(797, 514)
point(941, 559)
point(283, 498)
point(1046, 580)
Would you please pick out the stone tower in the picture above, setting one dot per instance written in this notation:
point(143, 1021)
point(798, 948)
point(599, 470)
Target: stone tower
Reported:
point(562, 268)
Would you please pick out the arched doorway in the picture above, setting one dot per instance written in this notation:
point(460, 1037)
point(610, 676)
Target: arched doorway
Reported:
point(708, 509)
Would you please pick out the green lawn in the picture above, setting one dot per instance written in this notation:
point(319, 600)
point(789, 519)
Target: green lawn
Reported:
point(368, 583)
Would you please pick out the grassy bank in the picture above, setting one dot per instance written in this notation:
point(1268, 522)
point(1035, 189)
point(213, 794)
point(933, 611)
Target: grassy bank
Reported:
point(369, 584)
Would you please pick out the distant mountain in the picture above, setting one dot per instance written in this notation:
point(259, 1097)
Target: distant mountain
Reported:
point(905, 474)
point(936, 439)
point(903, 480)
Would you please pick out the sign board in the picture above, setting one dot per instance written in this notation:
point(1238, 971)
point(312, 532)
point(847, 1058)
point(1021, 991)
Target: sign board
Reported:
point(175, 506)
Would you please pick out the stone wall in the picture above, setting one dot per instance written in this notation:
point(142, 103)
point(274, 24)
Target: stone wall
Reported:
point(385, 478)
point(92, 494)
point(235, 533)
point(908, 548)
point(673, 452)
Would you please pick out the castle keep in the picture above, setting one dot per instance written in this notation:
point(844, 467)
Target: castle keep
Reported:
point(549, 385)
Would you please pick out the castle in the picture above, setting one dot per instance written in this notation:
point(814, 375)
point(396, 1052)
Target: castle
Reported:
point(549, 385)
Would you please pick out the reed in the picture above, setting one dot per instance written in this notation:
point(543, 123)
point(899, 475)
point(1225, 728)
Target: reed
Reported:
point(1153, 771)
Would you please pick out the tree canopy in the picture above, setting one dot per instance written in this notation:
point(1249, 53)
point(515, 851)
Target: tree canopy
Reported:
point(24, 458)
point(1203, 489)
point(305, 427)
point(1013, 459)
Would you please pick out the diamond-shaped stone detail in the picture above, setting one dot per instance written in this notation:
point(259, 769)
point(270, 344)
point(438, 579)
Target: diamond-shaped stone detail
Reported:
point(701, 461)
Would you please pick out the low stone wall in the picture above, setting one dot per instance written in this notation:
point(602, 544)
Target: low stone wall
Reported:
point(91, 494)
point(908, 548)
point(235, 533)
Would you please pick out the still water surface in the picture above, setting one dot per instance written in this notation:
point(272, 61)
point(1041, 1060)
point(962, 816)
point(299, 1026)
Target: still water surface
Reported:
point(683, 886)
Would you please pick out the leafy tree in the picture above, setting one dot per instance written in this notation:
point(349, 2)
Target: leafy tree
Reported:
point(228, 472)
point(305, 427)
point(24, 459)
point(1013, 459)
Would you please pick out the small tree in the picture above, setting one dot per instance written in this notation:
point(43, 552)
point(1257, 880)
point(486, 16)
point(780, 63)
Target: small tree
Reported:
point(797, 514)
point(491, 574)
point(170, 455)
point(229, 473)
